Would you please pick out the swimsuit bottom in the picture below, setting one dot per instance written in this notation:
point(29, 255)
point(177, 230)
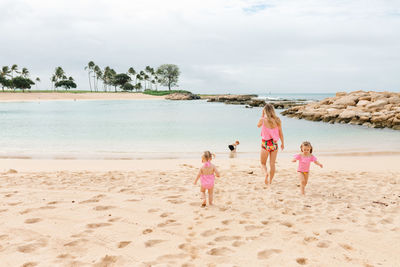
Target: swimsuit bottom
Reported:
point(269, 145)
point(207, 181)
point(231, 147)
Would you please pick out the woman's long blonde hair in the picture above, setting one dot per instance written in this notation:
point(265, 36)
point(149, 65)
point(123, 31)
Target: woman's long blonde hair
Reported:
point(270, 115)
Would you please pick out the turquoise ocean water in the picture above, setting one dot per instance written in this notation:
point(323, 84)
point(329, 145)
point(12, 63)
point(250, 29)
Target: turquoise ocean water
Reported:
point(165, 129)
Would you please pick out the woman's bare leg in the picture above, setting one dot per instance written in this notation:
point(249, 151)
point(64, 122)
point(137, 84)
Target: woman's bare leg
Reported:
point(263, 160)
point(272, 160)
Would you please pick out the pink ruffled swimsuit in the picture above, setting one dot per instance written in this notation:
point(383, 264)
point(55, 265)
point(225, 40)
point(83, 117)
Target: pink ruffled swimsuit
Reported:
point(207, 180)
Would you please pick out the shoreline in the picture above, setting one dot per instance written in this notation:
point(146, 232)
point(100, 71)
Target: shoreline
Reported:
point(57, 96)
point(331, 163)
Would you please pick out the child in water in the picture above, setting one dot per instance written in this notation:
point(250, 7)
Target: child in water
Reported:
point(233, 146)
point(305, 158)
point(207, 175)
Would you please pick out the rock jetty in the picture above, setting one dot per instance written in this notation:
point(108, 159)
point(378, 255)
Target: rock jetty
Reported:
point(182, 96)
point(252, 101)
point(372, 109)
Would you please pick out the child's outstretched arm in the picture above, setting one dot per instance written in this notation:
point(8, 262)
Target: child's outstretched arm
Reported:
point(216, 172)
point(260, 123)
point(319, 164)
point(198, 177)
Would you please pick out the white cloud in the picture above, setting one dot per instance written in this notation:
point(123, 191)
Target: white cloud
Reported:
point(225, 45)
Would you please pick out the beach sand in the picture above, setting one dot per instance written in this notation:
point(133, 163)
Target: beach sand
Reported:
point(147, 213)
point(32, 96)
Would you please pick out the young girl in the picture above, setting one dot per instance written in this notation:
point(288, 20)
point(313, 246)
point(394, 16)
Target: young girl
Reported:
point(206, 175)
point(271, 132)
point(305, 158)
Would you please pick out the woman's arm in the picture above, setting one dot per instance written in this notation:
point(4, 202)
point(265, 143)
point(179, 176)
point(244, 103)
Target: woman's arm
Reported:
point(281, 137)
point(260, 123)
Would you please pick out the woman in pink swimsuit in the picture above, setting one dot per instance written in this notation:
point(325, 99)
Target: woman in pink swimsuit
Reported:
point(271, 132)
point(207, 175)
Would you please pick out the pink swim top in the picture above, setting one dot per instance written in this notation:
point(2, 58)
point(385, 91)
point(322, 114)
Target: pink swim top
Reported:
point(304, 162)
point(268, 133)
point(207, 180)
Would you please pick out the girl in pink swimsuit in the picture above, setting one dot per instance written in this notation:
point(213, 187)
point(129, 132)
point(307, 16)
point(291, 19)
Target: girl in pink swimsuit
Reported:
point(305, 159)
point(207, 175)
point(271, 133)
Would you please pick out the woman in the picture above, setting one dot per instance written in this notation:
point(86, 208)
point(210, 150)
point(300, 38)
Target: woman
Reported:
point(271, 132)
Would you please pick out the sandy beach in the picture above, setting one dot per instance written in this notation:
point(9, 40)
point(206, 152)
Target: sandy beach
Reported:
point(147, 213)
point(31, 96)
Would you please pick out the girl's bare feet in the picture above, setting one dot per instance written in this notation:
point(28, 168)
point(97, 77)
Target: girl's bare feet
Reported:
point(204, 203)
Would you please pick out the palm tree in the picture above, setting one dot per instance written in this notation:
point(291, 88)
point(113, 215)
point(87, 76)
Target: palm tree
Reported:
point(37, 81)
point(53, 80)
point(25, 72)
point(5, 71)
point(14, 68)
point(105, 78)
point(99, 74)
point(89, 68)
point(132, 72)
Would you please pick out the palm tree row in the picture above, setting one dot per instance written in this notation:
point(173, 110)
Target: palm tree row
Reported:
point(21, 81)
point(146, 79)
point(131, 80)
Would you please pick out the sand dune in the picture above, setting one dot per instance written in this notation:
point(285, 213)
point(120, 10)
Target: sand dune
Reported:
point(152, 217)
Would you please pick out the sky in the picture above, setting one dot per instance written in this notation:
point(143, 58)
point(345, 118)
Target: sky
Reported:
point(220, 46)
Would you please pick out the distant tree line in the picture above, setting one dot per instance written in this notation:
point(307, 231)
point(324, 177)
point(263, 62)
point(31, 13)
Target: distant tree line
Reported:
point(11, 78)
point(148, 79)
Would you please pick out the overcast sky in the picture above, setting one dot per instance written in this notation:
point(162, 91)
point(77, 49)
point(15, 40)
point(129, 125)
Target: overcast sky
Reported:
point(219, 45)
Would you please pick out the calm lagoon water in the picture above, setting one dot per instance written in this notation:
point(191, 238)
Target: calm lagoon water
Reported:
point(163, 129)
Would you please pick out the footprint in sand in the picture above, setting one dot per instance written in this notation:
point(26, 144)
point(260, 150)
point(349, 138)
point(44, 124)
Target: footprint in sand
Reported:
point(100, 208)
point(147, 231)
point(209, 233)
point(227, 238)
point(65, 256)
point(168, 223)
point(30, 264)
point(32, 247)
point(3, 210)
point(226, 222)
point(301, 261)
point(107, 261)
point(265, 254)
point(97, 225)
point(32, 220)
point(166, 214)
point(222, 251)
point(75, 243)
point(153, 242)
point(346, 247)
point(238, 243)
point(152, 210)
point(123, 244)
point(334, 231)
point(323, 244)
point(252, 227)
point(172, 257)
point(310, 239)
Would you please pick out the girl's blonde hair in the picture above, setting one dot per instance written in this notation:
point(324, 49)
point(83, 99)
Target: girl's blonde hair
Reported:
point(269, 112)
point(207, 155)
point(306, 143)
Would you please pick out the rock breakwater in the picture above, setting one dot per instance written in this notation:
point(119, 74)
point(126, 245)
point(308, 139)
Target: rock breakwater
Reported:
point(372, 109)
